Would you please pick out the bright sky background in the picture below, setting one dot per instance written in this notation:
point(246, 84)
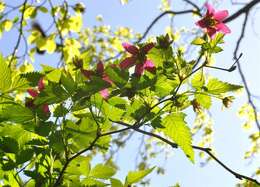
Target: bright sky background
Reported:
point(230, 141)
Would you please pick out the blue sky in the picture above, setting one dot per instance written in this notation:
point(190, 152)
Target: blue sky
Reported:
point(230, 141)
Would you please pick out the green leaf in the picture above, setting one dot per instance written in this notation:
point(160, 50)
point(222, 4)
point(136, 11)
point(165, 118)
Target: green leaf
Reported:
point(9, 145)
point(60, 111)
point(118, 76)
point(82, 133)
point(204, 100)
point(90, 182)
point(116, 183)
point(137, 176)
point(198, 41)
point(79, 166)
point(159, 56)
point(68, 82)
point(95, 85)
point(32, 77)
point(5, 75)
point(179, 132)
point(54, 76)
point(216, 87)
point(198, 80)
point(101, 171)
point(164, 86)
point(16, 113)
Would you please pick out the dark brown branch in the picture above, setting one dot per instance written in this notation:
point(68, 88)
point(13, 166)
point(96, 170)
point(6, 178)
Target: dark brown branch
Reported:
point(241, 11)
point(193, 5)
point(168, 12)
point(248, 92)
point(206, 150)
point(20, 33)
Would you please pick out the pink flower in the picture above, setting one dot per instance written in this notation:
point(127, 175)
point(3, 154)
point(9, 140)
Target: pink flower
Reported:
point(138, 59)
point(213, 21)
point(100, 72)
point(34, 93)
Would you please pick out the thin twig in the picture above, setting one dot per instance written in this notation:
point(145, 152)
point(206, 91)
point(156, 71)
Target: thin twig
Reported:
point(241, 11)
point(20, 34)
point(248, 92)
point(206, 150)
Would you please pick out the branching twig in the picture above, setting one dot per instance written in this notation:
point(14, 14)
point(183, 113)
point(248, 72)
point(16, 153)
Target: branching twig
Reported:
point(241, 11)
point(206, 150)
point(249, 97)
point(20, 34)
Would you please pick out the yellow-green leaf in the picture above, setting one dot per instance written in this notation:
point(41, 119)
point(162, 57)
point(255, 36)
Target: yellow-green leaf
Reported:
point(137, 176)
point(5, 75)
point(179, 132)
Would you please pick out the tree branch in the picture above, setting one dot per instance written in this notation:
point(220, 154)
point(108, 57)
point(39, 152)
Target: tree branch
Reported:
point(243, 10)
point(206, 150)
point(235, 53)
point(20, 33)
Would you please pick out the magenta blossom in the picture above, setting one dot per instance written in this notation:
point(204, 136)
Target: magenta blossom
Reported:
point(35, 92)
point(213, 21)
point(100, 73)
point(138, 58)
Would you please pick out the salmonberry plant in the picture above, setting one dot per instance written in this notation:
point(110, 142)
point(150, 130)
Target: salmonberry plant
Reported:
point(55, 120)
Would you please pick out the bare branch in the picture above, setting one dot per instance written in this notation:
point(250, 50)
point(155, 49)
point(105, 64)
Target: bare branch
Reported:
point(206, 150)
point(241, 11)
point(248, 92)
point(20, 34)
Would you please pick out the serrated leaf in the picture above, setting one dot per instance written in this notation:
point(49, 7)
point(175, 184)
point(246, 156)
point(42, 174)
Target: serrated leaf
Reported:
point(101, 171)
point(116, 183)
point(60, 111)
point(5, 75)
point(93, 182)
point(164, 86)
point(54, 75)
point(204, 100)
point(32, 77)
point(179, 132)
point(68, 82)
point(79, 166)
point(16, 113)
point(118, 76)
point(9, 145)
point(198, 80)
point(216, 86)
point(137, 176)
point(198, 41)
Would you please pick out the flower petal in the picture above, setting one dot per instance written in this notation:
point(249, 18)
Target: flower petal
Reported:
point(221, 15)
point(87, 73)
point(107, 79)
point(41, 84)
point(223, 28)
point(127, 63)
point(210, 9)
point(100, 68)
point(104, 93)
point(130, 48)
point(147, 47)
point(139, 69)
point(149, 66)
point(211, 31)
point(32, 92)
point(45, 109)
point(201, 23)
